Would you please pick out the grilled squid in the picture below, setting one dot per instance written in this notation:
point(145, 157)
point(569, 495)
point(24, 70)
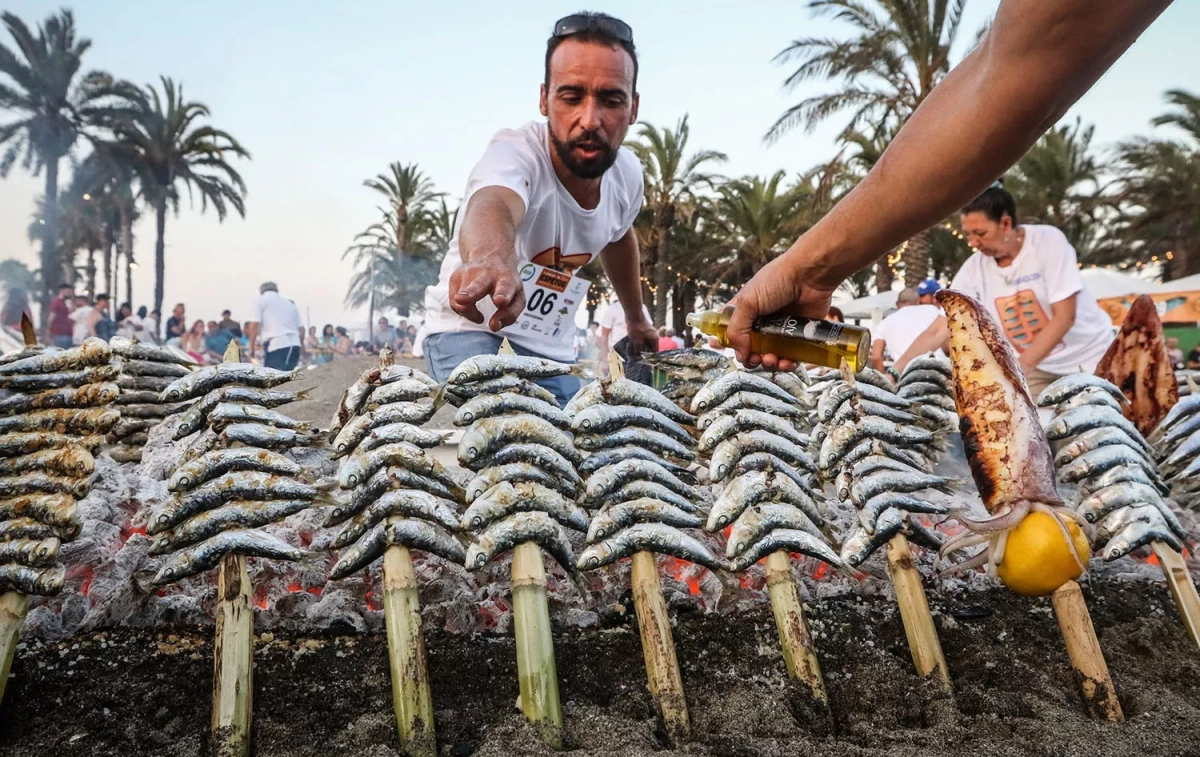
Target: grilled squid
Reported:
point(1034, 542)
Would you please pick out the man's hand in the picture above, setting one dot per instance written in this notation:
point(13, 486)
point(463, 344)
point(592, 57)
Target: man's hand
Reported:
point(775, 287)
point(484, 278)
point(642, 334)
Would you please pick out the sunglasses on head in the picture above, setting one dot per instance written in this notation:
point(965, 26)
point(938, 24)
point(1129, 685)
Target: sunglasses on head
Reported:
point(580, 22)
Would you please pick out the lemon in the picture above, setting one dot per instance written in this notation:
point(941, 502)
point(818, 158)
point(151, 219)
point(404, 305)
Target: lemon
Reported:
point(1037, 559)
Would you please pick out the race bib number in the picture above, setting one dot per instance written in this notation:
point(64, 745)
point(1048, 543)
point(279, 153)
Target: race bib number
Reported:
point(551, 300)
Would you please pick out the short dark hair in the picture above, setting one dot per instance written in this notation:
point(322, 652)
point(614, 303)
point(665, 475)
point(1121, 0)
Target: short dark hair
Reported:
point(995, 203)
point(104, 297)
point(226, 313)
point(593, 33)
point(65, 285)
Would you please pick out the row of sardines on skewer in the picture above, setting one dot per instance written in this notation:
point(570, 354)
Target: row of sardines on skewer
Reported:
point(877, 442)
point(1122, 479)
point(145, 372)
point(234, 479)
point(53, 422)
point(752, 432)
point(394, 492)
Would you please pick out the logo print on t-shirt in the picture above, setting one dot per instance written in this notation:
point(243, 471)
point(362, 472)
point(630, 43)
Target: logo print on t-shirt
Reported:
point(1021, 317)
point(553, 258)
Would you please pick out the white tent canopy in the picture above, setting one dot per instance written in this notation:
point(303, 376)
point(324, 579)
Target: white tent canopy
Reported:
point(1103, 283)
point(1186, 284)
point(874, 307)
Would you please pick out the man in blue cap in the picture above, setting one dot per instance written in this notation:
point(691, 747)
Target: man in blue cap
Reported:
point(926, 291)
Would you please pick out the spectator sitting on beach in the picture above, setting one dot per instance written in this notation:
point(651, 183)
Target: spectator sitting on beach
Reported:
point(385, 336)
point(344, 345)
point(1174, 353)
point(177, 323)
point(192, 342)
point(228, 324)
point(324, 346)
point(218, 339)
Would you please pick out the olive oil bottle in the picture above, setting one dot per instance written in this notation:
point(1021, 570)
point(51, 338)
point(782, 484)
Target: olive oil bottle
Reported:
point(803, 340)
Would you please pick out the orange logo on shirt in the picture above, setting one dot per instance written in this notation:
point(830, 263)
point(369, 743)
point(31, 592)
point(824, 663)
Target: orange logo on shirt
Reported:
point(1021, 317)
point(553, 258)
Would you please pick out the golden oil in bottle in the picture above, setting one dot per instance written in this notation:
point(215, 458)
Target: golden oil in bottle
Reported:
point(802, 340)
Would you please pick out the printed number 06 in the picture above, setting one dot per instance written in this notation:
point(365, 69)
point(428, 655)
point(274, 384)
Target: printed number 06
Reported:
point(541, 301)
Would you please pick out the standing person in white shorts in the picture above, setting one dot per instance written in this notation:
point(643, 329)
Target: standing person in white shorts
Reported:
point(545, 199)
point(898, 330)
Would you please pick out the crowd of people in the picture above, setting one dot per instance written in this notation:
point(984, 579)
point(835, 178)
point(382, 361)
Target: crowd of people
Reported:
point(76, 317)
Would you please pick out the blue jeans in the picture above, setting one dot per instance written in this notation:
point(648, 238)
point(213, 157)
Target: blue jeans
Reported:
point(62, 340)
point(443, 353)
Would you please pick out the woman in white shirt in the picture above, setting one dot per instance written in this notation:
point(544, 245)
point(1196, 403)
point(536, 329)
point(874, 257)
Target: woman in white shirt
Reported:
point(1027, 277)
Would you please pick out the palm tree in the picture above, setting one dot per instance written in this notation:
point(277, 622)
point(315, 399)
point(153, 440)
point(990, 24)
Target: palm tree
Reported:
point(1057, 183)
point(1158, 192)
point(406, 189)
point(396, 256)
point(54, 106)
point(166, 148)
point(898, 51)
point(106, 180)
point(758, 218)
point(671, 182)
point(390, 279)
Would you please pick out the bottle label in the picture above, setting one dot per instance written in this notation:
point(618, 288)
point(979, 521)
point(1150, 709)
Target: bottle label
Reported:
point(819, 332)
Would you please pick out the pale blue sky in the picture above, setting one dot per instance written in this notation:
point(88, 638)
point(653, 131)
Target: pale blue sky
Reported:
point(325, 94)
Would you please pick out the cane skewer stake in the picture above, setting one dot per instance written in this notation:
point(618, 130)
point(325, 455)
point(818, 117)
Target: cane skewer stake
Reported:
point(798, 651)
point(1183, 590)
point(1083, 649)
point(654, 626)
point(233, 660)
point(536, 669)
point(919, 628)
point(13, 607)
point(411, 698)
point(922, 635)
point(233, 651)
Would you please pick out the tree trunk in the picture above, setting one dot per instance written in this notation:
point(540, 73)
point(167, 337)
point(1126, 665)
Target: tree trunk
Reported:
point(916, 259)
point(109, 280)
point(883, 274)
point(50, 262)
point(160, 256)
point(126, 248)
point(685, 302)
point(664, 219)
point(91, 273)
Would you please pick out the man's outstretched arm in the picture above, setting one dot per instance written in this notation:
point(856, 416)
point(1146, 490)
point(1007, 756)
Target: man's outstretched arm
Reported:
point(1037, 59)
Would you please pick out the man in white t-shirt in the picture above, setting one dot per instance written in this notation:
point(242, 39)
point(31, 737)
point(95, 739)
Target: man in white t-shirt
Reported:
point(553, 194)
point(1028, 279)
point(276, 321)
point(896, 332)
